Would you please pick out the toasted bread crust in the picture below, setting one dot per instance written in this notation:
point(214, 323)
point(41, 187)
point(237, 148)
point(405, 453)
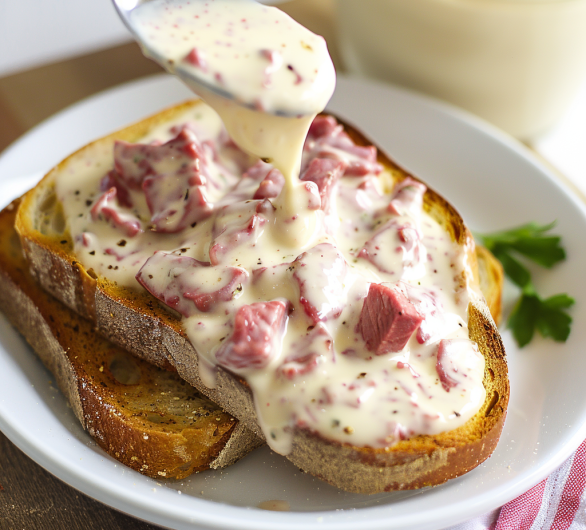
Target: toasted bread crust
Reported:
point(491, 277)
point(137, 413)
point(143, 326)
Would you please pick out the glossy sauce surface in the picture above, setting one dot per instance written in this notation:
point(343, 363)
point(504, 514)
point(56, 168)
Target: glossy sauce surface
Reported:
point(317, 277)
point(316, 370)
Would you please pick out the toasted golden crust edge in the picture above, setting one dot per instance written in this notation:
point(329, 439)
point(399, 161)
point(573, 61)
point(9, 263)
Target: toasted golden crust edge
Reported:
point(428, 459)
point(491, 275)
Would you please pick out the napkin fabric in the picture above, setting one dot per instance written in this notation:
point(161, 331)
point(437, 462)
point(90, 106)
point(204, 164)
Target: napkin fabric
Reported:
point(556, 503)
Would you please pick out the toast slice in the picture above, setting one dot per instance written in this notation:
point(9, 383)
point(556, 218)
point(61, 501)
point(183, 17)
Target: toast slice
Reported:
point(137, 321)
point(146, 417)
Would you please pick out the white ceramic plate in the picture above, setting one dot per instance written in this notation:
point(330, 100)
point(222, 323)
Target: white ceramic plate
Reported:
point(491, 179)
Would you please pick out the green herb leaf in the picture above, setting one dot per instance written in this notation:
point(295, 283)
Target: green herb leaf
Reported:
point(516, 272)
point(529, 240)
point(547, 316)
point(545, 251)
point(523, 319)
point(531, 312)
point(554, 323)
point(559, 301)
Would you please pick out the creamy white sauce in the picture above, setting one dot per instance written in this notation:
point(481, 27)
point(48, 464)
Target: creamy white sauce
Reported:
point(352, 395)
point(308, 259)
point(279, 73)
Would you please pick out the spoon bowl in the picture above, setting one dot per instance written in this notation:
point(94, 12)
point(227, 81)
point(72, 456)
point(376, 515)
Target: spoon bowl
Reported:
point(125, 10)
point(234, 50)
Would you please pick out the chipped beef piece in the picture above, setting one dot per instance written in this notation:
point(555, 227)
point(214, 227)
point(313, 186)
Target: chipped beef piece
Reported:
point(311, 350)
point(325, 173)
point(175, 192)
point(429, 306)
point(271, 180)
point(327, 139)
point(192, 285)
point(403, 240)
point(236, 225)
point(320, 273)
point(407, 197)
point(113, 180)
point(454, 353)
point(106, 207)
point(197, 58)
point(271, 185)
point(322, 126)
point(258, 329)
point(387, 319)
point(172, 176)
point(175, 207)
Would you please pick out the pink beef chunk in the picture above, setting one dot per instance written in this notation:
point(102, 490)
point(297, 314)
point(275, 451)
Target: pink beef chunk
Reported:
point(271, 185)
point(236, 225)
point(258, 329)
point(407, 197)
point(132, 163)
point(299, 365)
point(429, 306)
point(321, 273)
point(232, 281)
point(309, 352)
point(173, 177)
point(175, 201)
point(455, 357)
point(179, 282)
point(106, 207)
point(404, 238)
point(325, 172)
point(327, 139)
point(322, 126)
point(175, 193)
point(258, 171)
point(387, 319)
point(113, 180)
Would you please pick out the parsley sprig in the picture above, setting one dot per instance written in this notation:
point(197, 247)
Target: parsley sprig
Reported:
point(531, 312)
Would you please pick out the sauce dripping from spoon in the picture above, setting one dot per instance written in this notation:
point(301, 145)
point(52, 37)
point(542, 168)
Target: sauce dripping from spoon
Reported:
point(263, 73)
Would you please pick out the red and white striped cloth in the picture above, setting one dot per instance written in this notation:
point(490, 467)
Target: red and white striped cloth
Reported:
point(556, 503)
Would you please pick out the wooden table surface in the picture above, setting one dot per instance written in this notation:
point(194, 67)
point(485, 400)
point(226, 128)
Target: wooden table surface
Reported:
point(30, 497)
